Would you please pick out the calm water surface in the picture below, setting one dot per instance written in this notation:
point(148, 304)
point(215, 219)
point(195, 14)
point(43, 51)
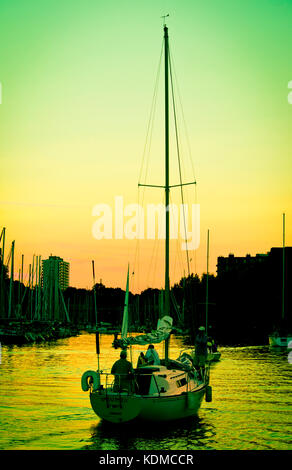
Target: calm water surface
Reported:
point(42, 405)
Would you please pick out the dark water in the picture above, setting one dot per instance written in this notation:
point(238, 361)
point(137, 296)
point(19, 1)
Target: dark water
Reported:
point(42, 405)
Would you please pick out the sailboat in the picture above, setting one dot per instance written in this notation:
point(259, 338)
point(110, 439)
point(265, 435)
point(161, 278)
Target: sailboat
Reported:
point(282, 338)
point(213, 354)
point(172, 390)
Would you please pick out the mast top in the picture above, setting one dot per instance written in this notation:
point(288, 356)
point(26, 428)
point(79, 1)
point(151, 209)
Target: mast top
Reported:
point(164, 23)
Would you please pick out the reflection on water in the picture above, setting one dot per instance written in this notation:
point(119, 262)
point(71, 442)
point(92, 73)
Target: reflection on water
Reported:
point(42, 405)
point(185, 434)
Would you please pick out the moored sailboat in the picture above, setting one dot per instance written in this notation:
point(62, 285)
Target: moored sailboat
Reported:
point(171, 390)
point(213, 355)
point(281, 337)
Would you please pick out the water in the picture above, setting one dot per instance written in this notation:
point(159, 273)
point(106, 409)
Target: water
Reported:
point(43, 407)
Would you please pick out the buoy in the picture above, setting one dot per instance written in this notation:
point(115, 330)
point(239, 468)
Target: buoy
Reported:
point(90, 377)
point(208, 396)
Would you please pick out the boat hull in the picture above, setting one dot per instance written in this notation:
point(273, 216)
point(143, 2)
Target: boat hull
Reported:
point(172, 408)
point(280, 341)
point(119, 408)
point(115, 407)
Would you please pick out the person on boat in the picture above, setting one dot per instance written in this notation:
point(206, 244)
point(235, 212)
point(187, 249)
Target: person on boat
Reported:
point(152, 356)
point(141, 360)
point(214, 346)
point(201, 351)
point(123, 372)
point(209, 344)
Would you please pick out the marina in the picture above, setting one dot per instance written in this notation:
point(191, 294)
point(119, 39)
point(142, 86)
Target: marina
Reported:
point(137, 313)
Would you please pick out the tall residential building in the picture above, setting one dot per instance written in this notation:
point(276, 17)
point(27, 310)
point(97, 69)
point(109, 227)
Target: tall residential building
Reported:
point(55, 269)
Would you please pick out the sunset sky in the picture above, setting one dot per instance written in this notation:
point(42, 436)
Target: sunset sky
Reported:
point(77, 85)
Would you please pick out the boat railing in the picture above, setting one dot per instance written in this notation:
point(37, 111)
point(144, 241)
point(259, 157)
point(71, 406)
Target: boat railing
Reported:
point(116, 382)
point(127, 384)
point(120, 383)
point(123, 383)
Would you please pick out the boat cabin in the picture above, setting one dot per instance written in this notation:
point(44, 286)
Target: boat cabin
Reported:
point(159, 380)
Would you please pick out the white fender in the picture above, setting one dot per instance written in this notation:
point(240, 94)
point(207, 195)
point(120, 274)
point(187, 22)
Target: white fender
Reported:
point(95, 378)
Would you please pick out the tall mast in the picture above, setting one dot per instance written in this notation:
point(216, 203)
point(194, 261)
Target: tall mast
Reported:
point(283, 282)
point(94, 294)
point(207, 284)
point(11, 280)
point(2, 301)
point(95, 311)
point(22, 257)
point(3, 244)
point(166, 172)
point(167, 303)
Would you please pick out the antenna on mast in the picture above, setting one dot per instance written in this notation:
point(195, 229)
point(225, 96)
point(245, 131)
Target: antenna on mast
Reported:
point(164, 16)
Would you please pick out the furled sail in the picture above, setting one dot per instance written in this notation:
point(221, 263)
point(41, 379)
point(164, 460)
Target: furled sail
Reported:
point(164, 327)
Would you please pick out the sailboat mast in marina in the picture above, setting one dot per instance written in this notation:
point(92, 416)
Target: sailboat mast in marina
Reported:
point(213, 354)
point(282, 338)
point(166, 74)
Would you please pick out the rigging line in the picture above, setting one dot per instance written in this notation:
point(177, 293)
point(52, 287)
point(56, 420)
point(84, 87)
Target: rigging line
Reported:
point(136, 254)
point(175, 222)
point(154, 256)
point(178, 255)
point(147, 147)
point(188, 146)
point(152, 124)
point(190, 200)
point(140, 227)
point(151, 117)
point(194, 250)
point(157, 245)
point(184, 120)
point(179, 162)
point(148, 142)
point(153, 259)
point(8, 257)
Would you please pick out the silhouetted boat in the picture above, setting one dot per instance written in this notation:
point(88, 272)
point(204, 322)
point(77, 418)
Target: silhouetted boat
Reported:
point(212, 355)
point(168, 391)
point(281, 337)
